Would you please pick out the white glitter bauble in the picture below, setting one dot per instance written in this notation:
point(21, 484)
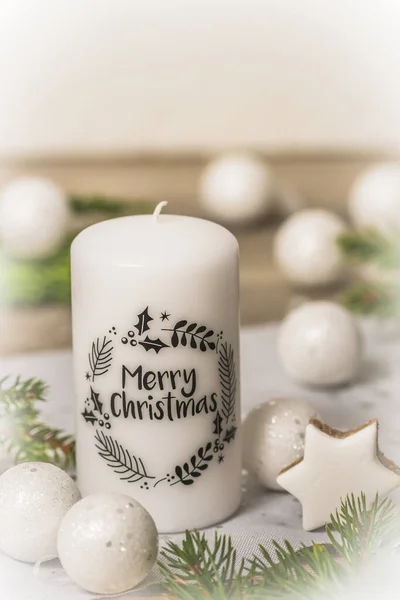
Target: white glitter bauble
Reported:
point(237, 187)
point(34, 218)
point(375, 198)
point(107, 543)
point(305, 247)
point(34, 497)
point(273, 438)
point(320, 344)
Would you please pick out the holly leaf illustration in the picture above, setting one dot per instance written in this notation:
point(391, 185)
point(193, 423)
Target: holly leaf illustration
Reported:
point(89, 416)
point(230, 434)
point(217, 424)
point(95, 399)
point(156, 345)
point(143, 321)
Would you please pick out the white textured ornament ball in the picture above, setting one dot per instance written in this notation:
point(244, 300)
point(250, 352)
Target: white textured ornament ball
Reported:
point(319, 344)
point(107, 543)
point(34, 218)
point(305, 247)
point(273, 438)
point(34, 497)
point(237, 187)
point(375, 198)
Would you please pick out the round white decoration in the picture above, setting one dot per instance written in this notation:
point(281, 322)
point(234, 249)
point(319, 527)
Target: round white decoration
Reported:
point(305, 247)
point(319, 344)
point(107, 543)
point(34, 497)
point(273, 438)
point(375, 198)
point(34, 218)
point(237, 187)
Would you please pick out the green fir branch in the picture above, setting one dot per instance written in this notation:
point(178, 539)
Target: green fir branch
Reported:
point(370, 246)
point(107, 206)
point(199, 569)
point(357, 532)
point(22, 434)
point(371, 298)
point(36, 282)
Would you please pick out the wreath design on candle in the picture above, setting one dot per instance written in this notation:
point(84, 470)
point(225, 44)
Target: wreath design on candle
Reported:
point(198, 337)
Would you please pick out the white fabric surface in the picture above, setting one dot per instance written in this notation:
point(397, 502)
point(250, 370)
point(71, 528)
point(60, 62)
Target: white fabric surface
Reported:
point(263, 515)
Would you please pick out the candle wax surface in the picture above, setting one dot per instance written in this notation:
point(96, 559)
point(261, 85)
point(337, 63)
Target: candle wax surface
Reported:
point(147, 240)
point(156, 361)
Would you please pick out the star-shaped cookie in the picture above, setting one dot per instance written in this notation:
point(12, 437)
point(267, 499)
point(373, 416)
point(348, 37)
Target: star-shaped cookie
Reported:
point(335, 464)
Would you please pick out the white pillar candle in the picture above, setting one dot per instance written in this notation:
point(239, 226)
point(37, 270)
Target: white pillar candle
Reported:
point(156, 360)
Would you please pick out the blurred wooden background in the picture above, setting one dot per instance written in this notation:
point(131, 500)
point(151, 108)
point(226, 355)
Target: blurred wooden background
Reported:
point(320, 179)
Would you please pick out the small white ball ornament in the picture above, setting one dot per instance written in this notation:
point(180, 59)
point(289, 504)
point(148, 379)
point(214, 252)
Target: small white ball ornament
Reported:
point(34, 218)
point(34, 497)
point(375, 198)
point(273, 438)
point(107, 543)
point(319, 344)
point(305, 247)
point(237, 188)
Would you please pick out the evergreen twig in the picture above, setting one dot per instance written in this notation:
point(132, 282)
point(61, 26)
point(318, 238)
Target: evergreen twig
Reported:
point(370, 246)
point(22, 434)
point(371, 298)
point(111, 207)
point(31, 283)
point(199, 569)
point(366, 297)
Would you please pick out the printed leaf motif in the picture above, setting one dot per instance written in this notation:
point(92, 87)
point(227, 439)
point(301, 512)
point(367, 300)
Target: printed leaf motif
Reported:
point(95, 399)
point(198, 336)
point(128, 467)
point(199, 463)
point(228, 381)
point(180, 324)
point(143, 321)
point(156, 345)
point(89, 416)
point(230, 434)
point(217, 424)
point(100, 358)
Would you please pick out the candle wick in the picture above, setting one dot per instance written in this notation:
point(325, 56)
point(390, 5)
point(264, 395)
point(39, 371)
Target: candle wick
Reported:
point(158, 209)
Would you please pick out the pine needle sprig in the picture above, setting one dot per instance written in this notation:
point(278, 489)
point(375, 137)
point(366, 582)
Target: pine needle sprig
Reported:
point(380, 296)
point(369, 298)
point(360, 530)
point(199, 569)
point(295, 573)
point(107, 206)
point(370, 246)
point(23, 435)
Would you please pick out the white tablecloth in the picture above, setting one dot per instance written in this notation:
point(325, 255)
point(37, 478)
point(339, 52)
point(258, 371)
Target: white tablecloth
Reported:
point(263, 515)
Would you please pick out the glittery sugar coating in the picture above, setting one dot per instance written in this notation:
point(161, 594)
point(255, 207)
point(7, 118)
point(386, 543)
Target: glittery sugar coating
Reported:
point(34, 497)
point(273, 438)
point(107, 543)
